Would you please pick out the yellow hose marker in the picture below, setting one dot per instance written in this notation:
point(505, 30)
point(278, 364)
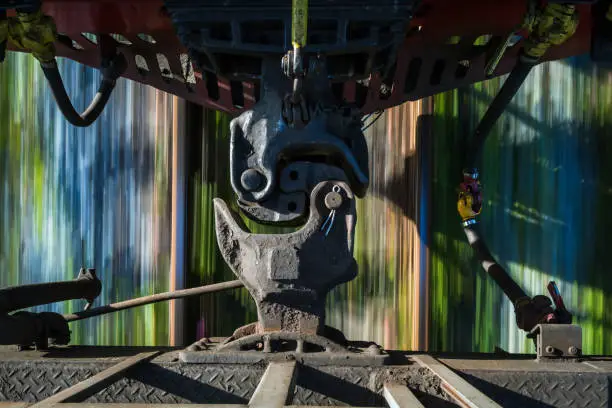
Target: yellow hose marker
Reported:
point(34, 32)
point(299, 23)
point(555, 25)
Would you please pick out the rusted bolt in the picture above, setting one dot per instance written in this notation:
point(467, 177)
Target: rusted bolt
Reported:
point(573, 350)
point(251, 180)
point(333, 200)
point(550, 349)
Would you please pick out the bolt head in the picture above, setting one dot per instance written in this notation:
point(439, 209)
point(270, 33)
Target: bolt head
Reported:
point(550, 349)
point(573, 350)
point(333, 200)
point(252, 180)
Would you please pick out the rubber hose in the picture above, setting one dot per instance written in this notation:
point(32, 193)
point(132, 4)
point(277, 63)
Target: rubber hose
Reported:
point(490, 265)
point(94, 110)
point(25, 296)
point(501, 101)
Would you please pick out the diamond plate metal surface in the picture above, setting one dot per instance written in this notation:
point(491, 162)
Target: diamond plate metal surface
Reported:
point(174, 382)
point(178, 383)
point(32, 382)
point(152, 383)
point(338, 386)
point(538, 389)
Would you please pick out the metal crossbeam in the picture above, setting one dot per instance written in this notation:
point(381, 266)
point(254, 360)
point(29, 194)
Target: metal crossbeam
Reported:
point(96, 383)
point(123, 405)
point(463, 392)
point(400, 396)
point(276, 386)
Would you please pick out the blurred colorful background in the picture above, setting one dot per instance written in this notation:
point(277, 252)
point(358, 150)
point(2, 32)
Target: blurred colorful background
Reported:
point(131, 196)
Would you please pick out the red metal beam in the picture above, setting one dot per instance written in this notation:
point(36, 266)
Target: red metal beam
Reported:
point(441, 66)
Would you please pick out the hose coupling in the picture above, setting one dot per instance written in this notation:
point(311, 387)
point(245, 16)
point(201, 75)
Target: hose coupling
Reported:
point(112, 68)
point(34, 32)
point(554, 25)
point(469, 222)
point(469, 203)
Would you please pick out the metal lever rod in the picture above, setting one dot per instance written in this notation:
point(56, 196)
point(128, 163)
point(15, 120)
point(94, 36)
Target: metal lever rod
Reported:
point(146, 300)
point(555, 295)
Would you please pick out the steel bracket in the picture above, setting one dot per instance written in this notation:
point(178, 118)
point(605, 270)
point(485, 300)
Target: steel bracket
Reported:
point(558, 341)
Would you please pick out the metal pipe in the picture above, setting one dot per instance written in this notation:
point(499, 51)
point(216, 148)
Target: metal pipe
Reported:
point(501, 101)
point(90, 114)
point(25, 296)
point(112, 67)
point(490, 265)
point(145, 300)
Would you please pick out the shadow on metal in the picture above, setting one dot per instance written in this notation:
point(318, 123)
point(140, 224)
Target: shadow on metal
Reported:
point(338, 389)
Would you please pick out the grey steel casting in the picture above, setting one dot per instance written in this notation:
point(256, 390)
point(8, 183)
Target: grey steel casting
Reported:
point(289, 275)
point(264, 141)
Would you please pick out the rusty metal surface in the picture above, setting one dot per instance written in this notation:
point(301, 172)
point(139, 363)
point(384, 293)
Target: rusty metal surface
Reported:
point(276, 387)
point(182, 383)
point(426, 65)
point(32, 377)
point(460, 390)
point(155, 383)
point(84, 354)
point(98, 382)
point(30, 382)
point(528, 364)
point(537, 389)
point(356, 354)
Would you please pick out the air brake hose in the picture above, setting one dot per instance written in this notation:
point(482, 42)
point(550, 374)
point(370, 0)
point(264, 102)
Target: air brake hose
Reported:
point(110, 73)
point(555, 24)
point(490, 265)
point(86, 286)
point(35, 32)
point(469, 206)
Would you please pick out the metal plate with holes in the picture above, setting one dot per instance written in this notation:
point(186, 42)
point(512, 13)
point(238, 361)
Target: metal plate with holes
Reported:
point(558, 340)
point(428, 62)
point(231, 38)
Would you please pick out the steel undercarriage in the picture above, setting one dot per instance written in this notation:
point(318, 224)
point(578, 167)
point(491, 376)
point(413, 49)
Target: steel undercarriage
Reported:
point(475, 380)
point(298, 157)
